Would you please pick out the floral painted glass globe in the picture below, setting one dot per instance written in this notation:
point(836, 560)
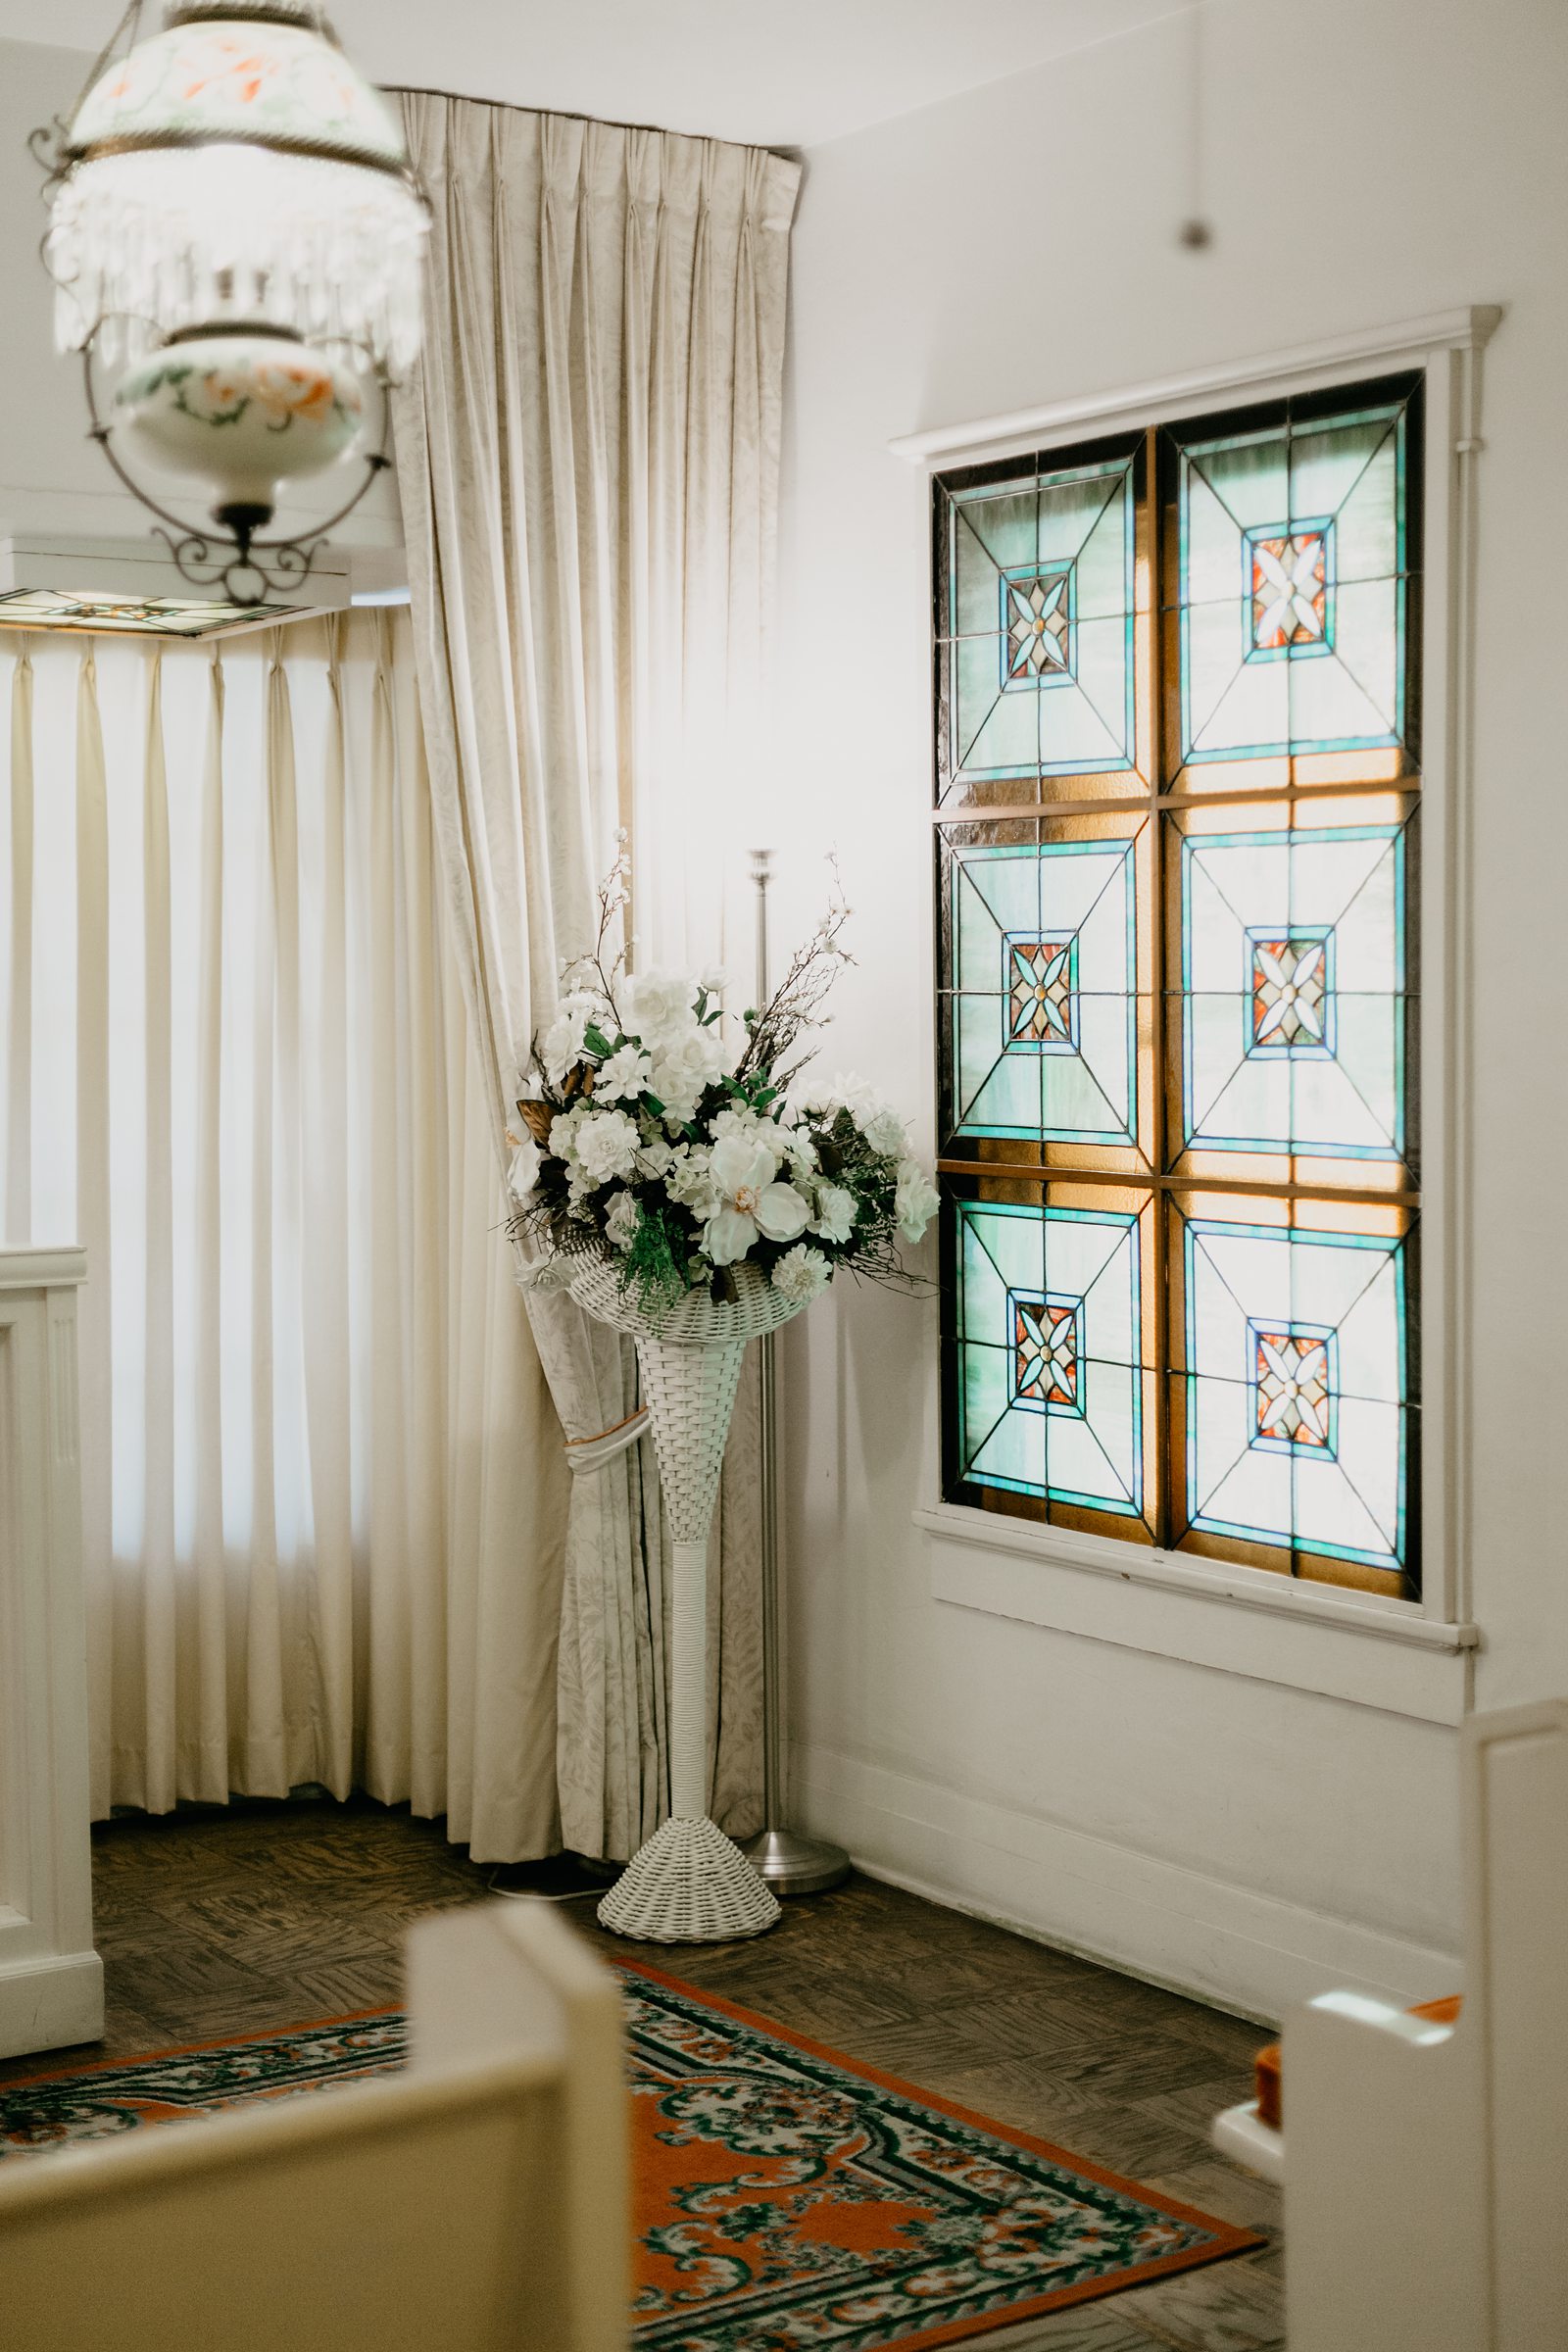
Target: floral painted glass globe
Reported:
point(236, 169)
point(244, 413)
point(236, 235)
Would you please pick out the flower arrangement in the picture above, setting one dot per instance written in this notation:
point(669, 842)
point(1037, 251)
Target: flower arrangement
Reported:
point(682, 1140)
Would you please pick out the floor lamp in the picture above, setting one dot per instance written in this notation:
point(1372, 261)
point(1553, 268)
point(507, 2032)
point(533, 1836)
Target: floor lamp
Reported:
point(789, 1863)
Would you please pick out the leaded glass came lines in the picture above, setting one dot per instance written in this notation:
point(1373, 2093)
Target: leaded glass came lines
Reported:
point(1177, 807)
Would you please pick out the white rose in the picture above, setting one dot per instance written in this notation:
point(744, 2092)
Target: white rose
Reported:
point(656, 1159)
point(884, 1131)
point(684, 1070)
point(564, 1135)
point(844, 1091)
point(658, 1004)
point(713, 978)
point(622, 1220)
point(801, 1274)
point(624, 1076)
point(607, 1145)
point(562, 1046)
point(835, 1215)
point(916, 1202)
point(759, 1132)
point(524, 1173)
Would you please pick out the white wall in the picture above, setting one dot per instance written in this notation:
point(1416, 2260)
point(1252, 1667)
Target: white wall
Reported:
point(1369, 161)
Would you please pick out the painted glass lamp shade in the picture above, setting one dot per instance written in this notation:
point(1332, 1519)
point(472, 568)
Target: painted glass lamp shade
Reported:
point(236, 169)
point(242, 414)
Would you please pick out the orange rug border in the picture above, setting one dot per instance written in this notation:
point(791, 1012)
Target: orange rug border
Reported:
point(1228, 2237)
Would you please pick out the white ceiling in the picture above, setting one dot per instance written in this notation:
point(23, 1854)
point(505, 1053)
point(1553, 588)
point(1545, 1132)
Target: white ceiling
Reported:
point(784, 72)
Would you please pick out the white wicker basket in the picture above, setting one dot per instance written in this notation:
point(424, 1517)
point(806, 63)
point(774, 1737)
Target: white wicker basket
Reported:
point(689, 1884)
point(695, 1321)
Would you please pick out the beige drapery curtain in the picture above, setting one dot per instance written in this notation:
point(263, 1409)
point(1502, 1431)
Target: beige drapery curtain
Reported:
point(323, 1486)
point(588, 465)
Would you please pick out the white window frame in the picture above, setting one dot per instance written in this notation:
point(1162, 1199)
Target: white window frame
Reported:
point(1410, 1657)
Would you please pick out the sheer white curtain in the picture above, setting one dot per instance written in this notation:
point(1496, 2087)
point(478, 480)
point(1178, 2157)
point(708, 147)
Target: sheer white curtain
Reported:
point(325, 1494)
point(588, 462)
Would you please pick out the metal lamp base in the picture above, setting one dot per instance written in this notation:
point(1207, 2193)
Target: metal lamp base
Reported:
point(790, 1865)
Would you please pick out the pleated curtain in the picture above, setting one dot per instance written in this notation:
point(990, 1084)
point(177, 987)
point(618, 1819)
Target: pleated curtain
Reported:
point(325, 1494)
point(588, 465)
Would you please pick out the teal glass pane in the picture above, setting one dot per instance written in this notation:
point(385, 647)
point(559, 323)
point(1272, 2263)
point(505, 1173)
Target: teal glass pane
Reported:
point(1298, 1415)
point(1045, 977)
point(1049, 1397)
point(1293, 569)
point(1293, 977)
point(1040, 612)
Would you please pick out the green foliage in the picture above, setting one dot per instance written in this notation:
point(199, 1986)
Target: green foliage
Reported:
point(655, 1264)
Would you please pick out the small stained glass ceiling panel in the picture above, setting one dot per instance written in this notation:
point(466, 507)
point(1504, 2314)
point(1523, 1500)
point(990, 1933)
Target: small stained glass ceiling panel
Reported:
point(1293, 1002)
point(1293, 1367)
point(1038, 624)
point(1050, 1381)
point(126, 615)
point(1293, 587)
point(1045, 1004)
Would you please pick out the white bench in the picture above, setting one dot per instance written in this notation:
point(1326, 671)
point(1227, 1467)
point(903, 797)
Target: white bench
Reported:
point(1426, 2165)
point(476, 2200)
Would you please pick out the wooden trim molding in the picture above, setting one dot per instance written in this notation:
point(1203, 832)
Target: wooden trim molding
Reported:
point(1412, 343)
point(1372, 1652)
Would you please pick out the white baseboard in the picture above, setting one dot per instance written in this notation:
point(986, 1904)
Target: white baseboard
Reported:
point(1219, 1942)
point(51, 2004)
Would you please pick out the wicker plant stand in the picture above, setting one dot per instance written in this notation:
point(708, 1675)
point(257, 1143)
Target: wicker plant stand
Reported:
point(689, 1884)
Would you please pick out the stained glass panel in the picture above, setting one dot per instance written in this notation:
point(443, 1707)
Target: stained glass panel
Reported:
point(1296, 1402)
point(1292, 584)
point(1049, 1334)
point(1037, 618)
point(1179, 985)
point(1293, 989)
point(1045, 967)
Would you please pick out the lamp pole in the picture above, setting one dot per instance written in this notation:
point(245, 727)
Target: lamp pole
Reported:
point(788, 1863)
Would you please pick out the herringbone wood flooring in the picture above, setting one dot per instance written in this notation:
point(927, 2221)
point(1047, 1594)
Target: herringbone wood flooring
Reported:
point(215, 1922)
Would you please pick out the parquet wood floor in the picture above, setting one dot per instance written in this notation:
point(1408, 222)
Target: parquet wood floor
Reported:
point(215, 1923)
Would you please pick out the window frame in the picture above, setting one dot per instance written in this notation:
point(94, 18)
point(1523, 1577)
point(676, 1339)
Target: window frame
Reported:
point(1445, 352)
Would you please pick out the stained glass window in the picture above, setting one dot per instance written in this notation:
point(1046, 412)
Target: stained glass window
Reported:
point(1036, 626)
point(1178, 791)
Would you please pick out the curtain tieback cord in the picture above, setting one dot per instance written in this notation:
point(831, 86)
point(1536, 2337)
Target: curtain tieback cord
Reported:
point(592, 1454)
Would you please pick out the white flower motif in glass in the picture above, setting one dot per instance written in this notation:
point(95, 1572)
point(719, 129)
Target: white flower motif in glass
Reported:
point(1293, 1395)
point(1289, 988)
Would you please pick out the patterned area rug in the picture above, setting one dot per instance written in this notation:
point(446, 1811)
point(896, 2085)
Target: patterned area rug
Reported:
point(785, 2195)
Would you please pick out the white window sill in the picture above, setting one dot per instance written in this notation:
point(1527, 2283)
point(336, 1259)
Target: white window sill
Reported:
point(1371, 1652)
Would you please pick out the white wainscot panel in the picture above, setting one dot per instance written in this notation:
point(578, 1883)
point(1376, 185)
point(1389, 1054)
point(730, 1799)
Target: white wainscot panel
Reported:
point(51, 1980)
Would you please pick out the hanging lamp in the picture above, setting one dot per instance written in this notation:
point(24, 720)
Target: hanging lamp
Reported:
point(236, 238)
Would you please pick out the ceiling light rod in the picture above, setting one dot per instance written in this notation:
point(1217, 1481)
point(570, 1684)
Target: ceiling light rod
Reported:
point(236, 237)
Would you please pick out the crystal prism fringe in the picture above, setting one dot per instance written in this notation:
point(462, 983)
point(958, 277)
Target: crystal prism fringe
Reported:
point(142, 245)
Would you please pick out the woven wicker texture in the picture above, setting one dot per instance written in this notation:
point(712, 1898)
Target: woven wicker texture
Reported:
point(688, 1885)
point(695, 1321)
point(691, 1394)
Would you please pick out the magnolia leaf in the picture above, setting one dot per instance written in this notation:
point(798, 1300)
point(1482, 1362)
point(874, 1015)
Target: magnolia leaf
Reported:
point(536, 1117)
